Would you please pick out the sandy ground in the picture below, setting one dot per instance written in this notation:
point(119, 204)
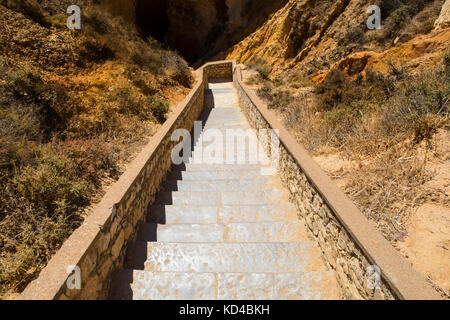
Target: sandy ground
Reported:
point(427, 244)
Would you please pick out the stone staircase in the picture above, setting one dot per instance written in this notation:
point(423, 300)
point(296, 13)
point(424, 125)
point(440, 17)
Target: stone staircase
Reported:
point(223, 231)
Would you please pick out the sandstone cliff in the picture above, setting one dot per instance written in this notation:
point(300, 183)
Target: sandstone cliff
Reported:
point(444, 18)
point(311, 36)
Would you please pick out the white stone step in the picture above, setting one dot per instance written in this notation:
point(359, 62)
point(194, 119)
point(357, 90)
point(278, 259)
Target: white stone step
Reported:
point(183, 232)
point(147, 285)
point(211, 198)
point(224, 185)
point(220, 175)
point(172, 214)
point(221, 167)
point(224, 257)
point(281, 231)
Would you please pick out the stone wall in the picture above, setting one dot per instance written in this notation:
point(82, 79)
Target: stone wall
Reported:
point(220, 70)
point(99, 246)
point(348, 242)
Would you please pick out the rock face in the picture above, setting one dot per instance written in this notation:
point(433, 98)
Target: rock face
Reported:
point(420, 53)
point(444, 19)
point(308, 37)
point(294, 30)
point(198, 28)
point(124, 8)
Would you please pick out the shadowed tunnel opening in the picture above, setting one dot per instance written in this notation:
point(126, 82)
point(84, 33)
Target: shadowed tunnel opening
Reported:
point(199, 30)
point(152, 18)
point(183, 26)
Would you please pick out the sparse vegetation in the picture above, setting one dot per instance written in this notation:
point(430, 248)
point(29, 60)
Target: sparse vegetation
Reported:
point(261, 66)
point(58, 20)
point(159, 108)
point(379, 120)
point(73, 109)
point(404, 19)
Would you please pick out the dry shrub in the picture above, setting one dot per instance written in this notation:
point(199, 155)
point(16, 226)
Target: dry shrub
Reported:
point(41, 200)
point(405, 19)
point(379, 123)
point(47, 99)
point(423, 22)
point(261, 66)
point(387, 188)
point(147, 54)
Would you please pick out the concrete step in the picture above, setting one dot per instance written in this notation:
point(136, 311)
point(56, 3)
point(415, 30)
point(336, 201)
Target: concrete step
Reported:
point(235, 159)
point(222, 135)
point(147, 285)
point(236, 125)
point(230, 124)
point(182, 232)
point(171, 214)
point(216, 198)
point(220, 257)
point(225, 157)
point(281, 231)
point(222, 185)
point(221, 167)
point(195, 176)
point(275, 286)
point(220, 175)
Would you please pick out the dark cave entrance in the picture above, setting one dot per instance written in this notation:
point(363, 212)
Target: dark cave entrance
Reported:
point(200, 32)
point(181, 30)
point(152, 18)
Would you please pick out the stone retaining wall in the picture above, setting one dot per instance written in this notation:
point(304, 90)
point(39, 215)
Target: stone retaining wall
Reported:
point(220, 70)
point(98, 247)
point(348, 242)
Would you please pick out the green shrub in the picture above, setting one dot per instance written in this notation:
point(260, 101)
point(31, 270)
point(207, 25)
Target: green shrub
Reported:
point(26, 83)
point(58, 20)
point(397, 20)
point(159, 107)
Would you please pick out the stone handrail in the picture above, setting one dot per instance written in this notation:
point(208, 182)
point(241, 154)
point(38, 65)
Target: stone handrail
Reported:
point(349, 243)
